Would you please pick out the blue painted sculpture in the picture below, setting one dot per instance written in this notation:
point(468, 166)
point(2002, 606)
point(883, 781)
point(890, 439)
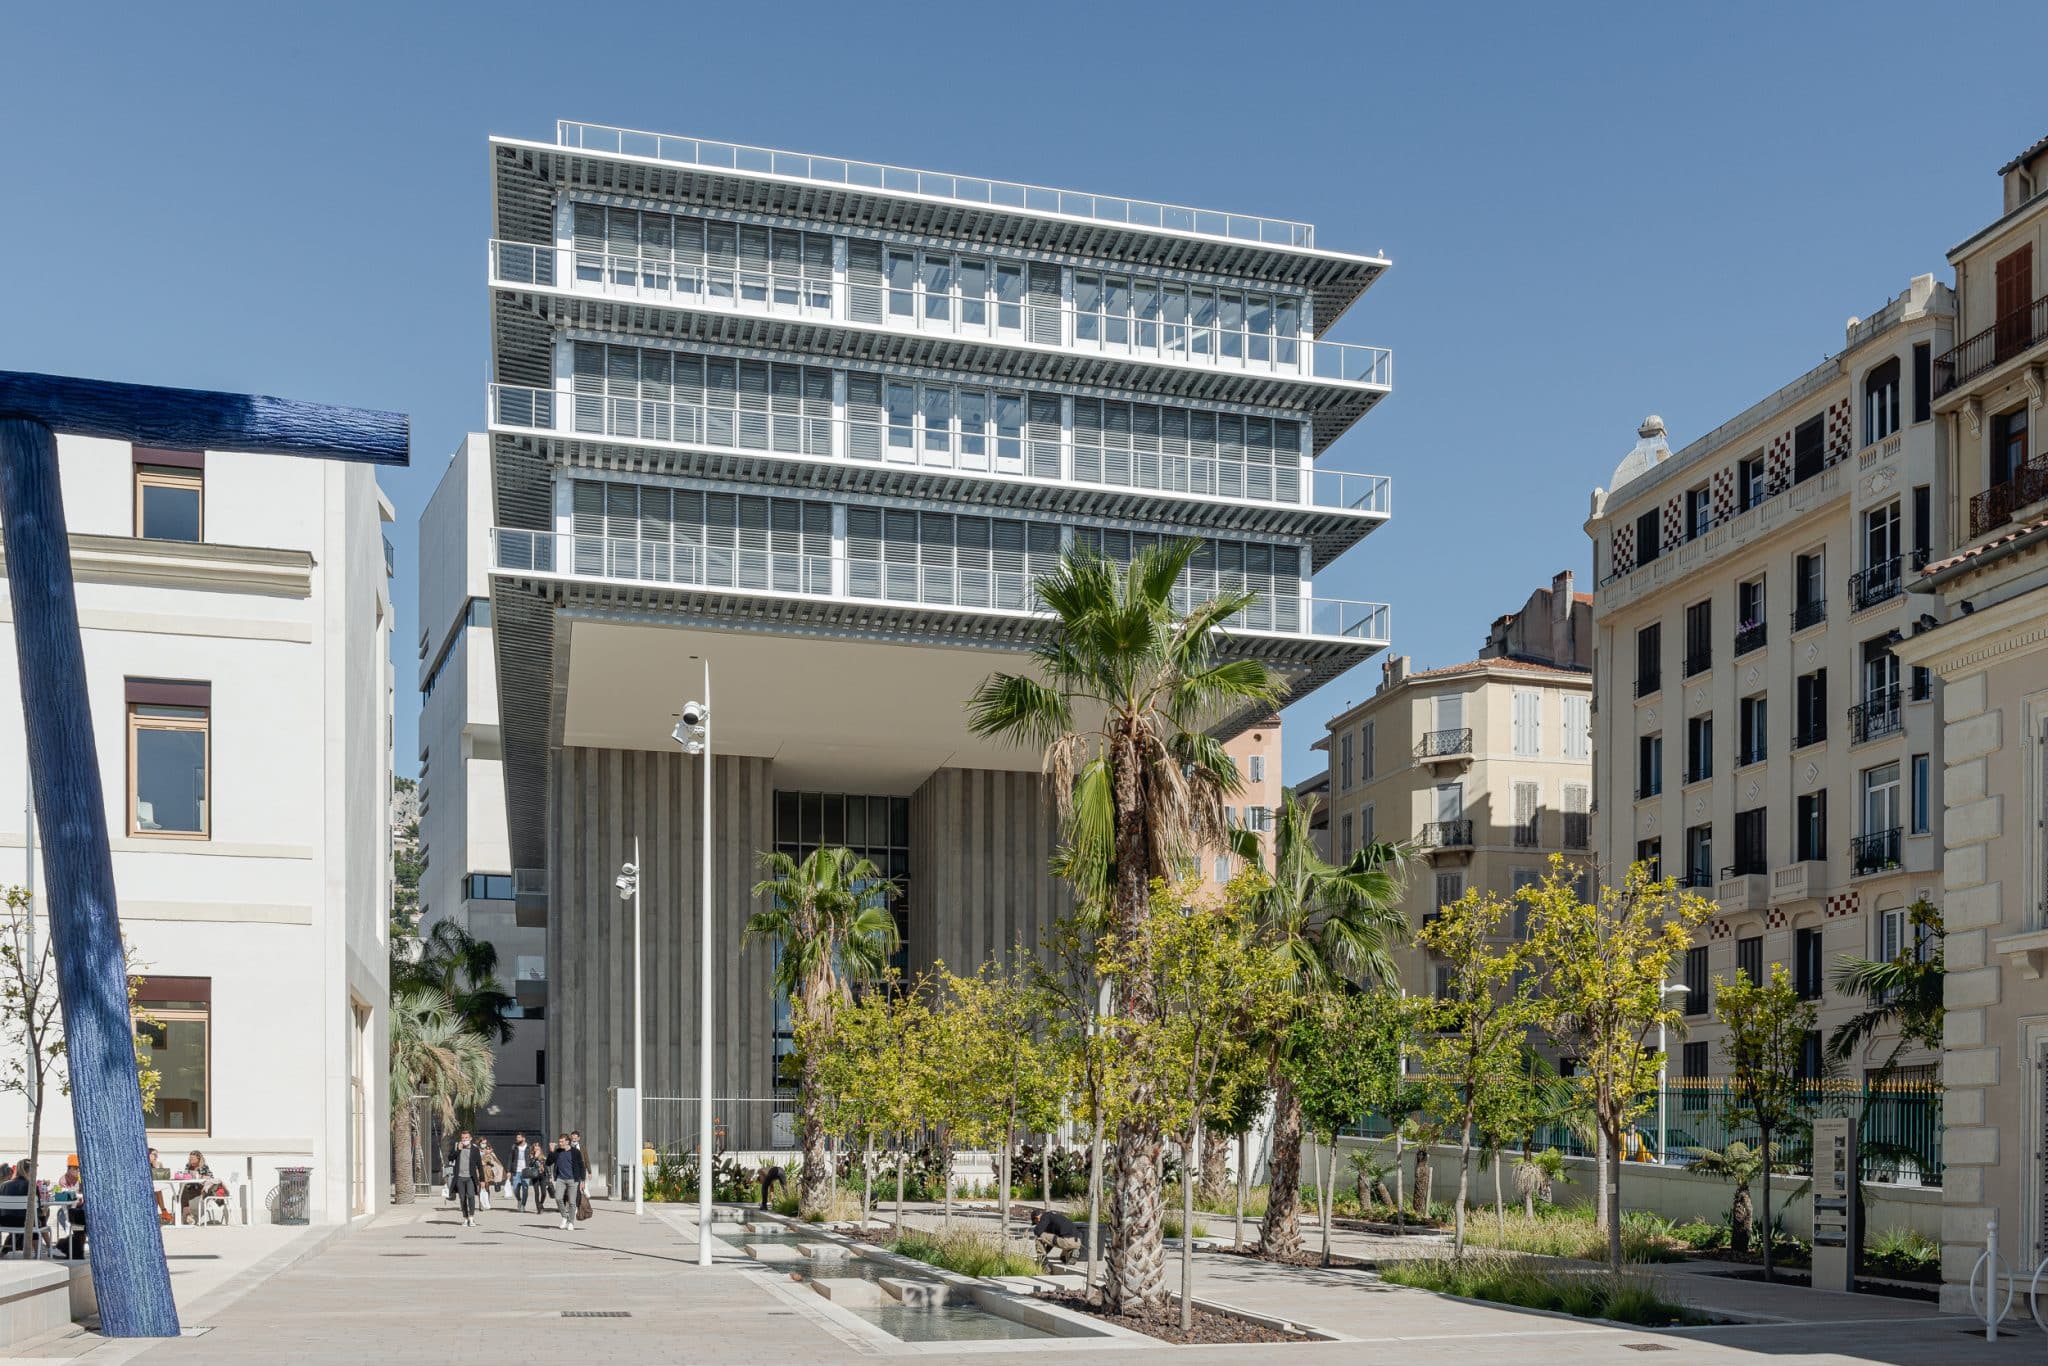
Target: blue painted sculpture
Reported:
point(129, 1273)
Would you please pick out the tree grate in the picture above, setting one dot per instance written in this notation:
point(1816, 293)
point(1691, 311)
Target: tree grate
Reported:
point(596, 1314)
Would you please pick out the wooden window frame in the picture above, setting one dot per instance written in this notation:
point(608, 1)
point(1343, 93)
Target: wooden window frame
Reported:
point(204, 725)
point(151, 474)
point(195, 997)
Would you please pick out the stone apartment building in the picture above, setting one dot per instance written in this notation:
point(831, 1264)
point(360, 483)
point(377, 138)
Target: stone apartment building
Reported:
point(1984, 633)
point(1757, 734)
point(1483, 767)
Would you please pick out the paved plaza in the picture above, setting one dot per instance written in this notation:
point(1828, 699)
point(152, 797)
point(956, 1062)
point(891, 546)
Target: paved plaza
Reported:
point(415, 1286)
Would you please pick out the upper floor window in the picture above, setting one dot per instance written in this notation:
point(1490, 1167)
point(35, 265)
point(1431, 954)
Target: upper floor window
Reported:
point(1750, 488)
point(1344, 761)
point(1368, 735)
point(1191, 450)
point(170, 489)
point(1345, 842)
point(168, 740)
point(1881, 401)
point(1122, 310)
point(1649, 544)
point(175, 1041)
point(702, 258)
point(1528, 722)
point(1649, 656)
point(1699, 512)
point(1258, 767)
point(488, 887)
point(1578, 726)
point(1365, 823)
point(1809, 449)
point(1923, 381)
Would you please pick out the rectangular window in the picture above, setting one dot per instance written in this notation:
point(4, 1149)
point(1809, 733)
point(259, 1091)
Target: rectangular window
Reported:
point(1699, 512)
point(1808, 450)
point(1344, 761)
point(1449, 887)
point(1578, 816)
point(169, 495)
point(1693, 1059)
point(1807, 975)
point(167, 758)
point(1222, 868)
point(1365, 824)
point(1692, 1068)
point(1753, 715)
point(1923, 525)
point(1650, 852)
point(1752, 841)
point(1923, 381)
point(175, 1030)
point(1527, 828)
point(1649, 659)
point(1809, 1055)
point(1891, 934)
point(1258, 768)
point(1649, 766)
point(1750, 486)
point(1811, 834)
point(1367, 749)
point(1810, 590)
point(1881, 401)
point(1528, 722)
point(1346, 846)
point(1699, 638)
point(1649, 544)
point(1578, 726)
point(1749, 615)
point(1698, 981)
point(1810, 709)
point(488, 887)
point(1699, 856)
point(1922, 797)
point(1749, 958)
point(1699, 749)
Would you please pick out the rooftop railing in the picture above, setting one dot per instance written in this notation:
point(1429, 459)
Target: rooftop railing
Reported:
point(984, 443)
point(770, 573)
point(872, 175)
point(1152, 336)
point(2017, 331)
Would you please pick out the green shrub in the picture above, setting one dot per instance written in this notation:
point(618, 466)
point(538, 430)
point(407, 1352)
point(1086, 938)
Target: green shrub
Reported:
point(1527, 1284)
point(1900, 1251)
point(1569, 1231)
point(1170, 1225)
point(970, 1254)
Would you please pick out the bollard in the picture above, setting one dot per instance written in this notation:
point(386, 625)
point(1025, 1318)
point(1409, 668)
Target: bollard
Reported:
point(1990, 1277)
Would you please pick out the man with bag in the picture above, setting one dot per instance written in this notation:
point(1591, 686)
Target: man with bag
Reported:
point(569, 1174)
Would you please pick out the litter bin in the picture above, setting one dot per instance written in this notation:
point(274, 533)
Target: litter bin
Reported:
point(293, 1194)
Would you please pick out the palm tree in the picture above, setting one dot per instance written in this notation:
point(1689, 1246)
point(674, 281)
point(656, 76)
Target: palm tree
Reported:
point(1333, 926)
point(463, 968)
point(1741, 1164)
point(1126, 690)
point(437, 1059)
point(830, 922)
point(1903, 993)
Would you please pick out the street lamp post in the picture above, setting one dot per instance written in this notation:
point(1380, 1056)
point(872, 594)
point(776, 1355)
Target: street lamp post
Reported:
point(693, 733)
point(1664, 993)
point(629, 888)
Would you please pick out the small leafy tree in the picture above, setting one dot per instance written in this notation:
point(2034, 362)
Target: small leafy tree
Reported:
point(1001, 1074)
point(1767, 1025)
point(1738, 1164)
point(1601, 971)
point(1472, 1074)
point(1343, 1060)
point(869, 1066)
point(1901, 993)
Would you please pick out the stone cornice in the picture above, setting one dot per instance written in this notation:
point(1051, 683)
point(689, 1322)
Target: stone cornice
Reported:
point(2018, 625)
point(188, 564)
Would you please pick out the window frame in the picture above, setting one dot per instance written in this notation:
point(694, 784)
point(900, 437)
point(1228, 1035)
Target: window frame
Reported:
point(148, 475)
point(169, 1000)
point(203, 724)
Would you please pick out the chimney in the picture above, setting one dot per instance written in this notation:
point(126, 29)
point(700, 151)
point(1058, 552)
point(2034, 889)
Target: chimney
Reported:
point(1561, 597)
point(1392, 670)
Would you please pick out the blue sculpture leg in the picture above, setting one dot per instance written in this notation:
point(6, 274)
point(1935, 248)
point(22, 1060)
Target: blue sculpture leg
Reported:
point(129, 1274)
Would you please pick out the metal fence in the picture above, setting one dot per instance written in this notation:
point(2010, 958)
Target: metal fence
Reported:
point(738, 1124)
point(1899, 1136)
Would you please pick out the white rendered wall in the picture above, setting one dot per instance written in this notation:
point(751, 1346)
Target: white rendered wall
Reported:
point(286, 905)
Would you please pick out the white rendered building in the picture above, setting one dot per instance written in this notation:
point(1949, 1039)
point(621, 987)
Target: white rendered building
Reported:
point(820, 424)
point(236, 616)
point(466, 873)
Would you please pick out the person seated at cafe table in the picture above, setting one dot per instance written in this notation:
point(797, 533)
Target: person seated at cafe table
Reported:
point(13, 1221)
point(68, 1184)
point(194, 1182)
point(159, 1172)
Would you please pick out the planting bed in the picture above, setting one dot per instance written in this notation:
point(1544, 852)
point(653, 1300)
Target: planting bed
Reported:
point(1210, 1327)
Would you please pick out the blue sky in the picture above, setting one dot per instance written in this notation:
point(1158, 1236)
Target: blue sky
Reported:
point(1594, 212)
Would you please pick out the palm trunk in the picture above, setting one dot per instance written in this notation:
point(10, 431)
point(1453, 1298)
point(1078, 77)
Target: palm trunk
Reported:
point(1215, 1150)
point(815, 1185)
point(1280, 1230)
point(1137, 1274)
point(1244, 1165)
point(1528, 1182)
point(1425, 1181)
point(403, 1182)
point(1739, 1221)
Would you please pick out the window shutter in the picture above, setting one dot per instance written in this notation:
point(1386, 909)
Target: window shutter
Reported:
point(864, 552)
point(1044, 304)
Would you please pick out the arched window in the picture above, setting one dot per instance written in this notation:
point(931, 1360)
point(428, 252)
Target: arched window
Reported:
point(1881, 402)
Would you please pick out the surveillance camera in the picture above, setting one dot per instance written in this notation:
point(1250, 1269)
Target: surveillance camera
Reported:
point(694, 714)
point(628, 870)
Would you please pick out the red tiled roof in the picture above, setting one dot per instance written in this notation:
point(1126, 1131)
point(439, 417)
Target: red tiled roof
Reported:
point(2011, 534)
point(1476, 665)
point(1582, 597)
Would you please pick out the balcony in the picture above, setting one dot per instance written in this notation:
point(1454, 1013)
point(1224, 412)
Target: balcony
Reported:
point(761, 575)
point(1755, 752)
point(1881, 582)
point(1037, 199)
point(1447, 835)
point(2017, 331)
point(1698, 773)
point(1811, 613)
point(1749, 639)
point(1874, 853)
point(1815, 733)
point(530, 897)
point(786, 292)
point(1698, 879)
point(1875, 717)
point(1743, 891)
point(1444, 744)
point(1647, 683)
point(1649, 787)
point(1698, 661)
point(1800, 881)
point(1995, 507)
point(1578, 830)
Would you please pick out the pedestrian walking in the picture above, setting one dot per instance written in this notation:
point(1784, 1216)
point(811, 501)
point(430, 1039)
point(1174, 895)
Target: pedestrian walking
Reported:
point(569, 1175)
point(494, 1173)
point(582, 1200)
point(466, 1170)
point(537, 1174)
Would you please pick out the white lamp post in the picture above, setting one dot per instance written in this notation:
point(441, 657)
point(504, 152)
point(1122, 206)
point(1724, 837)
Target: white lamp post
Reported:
point(1664, 993)
point(629, 888)
point(693, 733)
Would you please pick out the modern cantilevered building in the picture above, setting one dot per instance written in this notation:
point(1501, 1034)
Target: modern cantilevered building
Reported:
point(820, 424)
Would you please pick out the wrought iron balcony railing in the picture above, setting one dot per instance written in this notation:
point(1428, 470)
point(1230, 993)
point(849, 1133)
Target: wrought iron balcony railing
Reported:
point(1749, 638)
point(1699, 660)
point(1700, 878)
point(1875, 852)
point(1699, 773)
point(1650, 787)
point(2017, 331)
point(1447, 834)
point(1440, 744)
point(1811, 613)
point(1648, 682)
point(1881, 582)
point(1994, 507)
point(1875, 716)
point(1815, 733)
point(1754, 752)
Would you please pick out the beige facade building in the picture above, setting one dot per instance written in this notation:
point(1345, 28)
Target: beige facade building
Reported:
point(1757, 734)
point(1990, 649)
point(1256, 751)
point(1484, 767)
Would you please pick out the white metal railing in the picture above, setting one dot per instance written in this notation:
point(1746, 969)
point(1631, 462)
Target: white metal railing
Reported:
point(990, 316)
point(1010, 194)
point(975, 446)
point(771, 573)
